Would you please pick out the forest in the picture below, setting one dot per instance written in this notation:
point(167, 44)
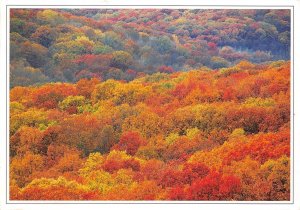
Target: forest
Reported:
point(197, 135)
point(149, 104)
point(66, 45)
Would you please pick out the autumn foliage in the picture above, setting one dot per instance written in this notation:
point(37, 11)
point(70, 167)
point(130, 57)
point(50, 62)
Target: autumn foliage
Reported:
point(59, 45)
point(197, 135)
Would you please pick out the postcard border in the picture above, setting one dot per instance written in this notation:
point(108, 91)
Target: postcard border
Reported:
point(97, 202)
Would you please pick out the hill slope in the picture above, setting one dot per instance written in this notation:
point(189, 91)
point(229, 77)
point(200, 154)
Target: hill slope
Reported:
point(198, 135)
point(67, 45)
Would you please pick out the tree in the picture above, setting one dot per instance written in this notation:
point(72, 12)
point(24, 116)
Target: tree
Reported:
point(72, 104)
point(170, 178)
point(130, 142)
point(193, 171)
point(113, 40)
point(30, 139)
point(23, 74)
point(31, 117)
point(218, 62)
point(215, 187)
point(82, 132)
point(166, 69)
point(85, 87)
point(278, 177)
point(71, 162)
point(121, 59)
point(44, 35)
point(35, 54)
point(104, 90)
point(50, 16)
point(163, 44)
point(56, 189)
point(22, 167)
point(50, 95)
point(92, 163)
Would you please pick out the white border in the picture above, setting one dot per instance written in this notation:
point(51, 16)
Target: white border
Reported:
point(83, 204)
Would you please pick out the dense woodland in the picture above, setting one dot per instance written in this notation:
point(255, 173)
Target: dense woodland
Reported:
point(199, 135)
point(123, 44)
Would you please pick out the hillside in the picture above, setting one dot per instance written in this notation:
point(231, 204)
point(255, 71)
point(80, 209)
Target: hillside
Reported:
point(197, 135)
point(68, 45)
